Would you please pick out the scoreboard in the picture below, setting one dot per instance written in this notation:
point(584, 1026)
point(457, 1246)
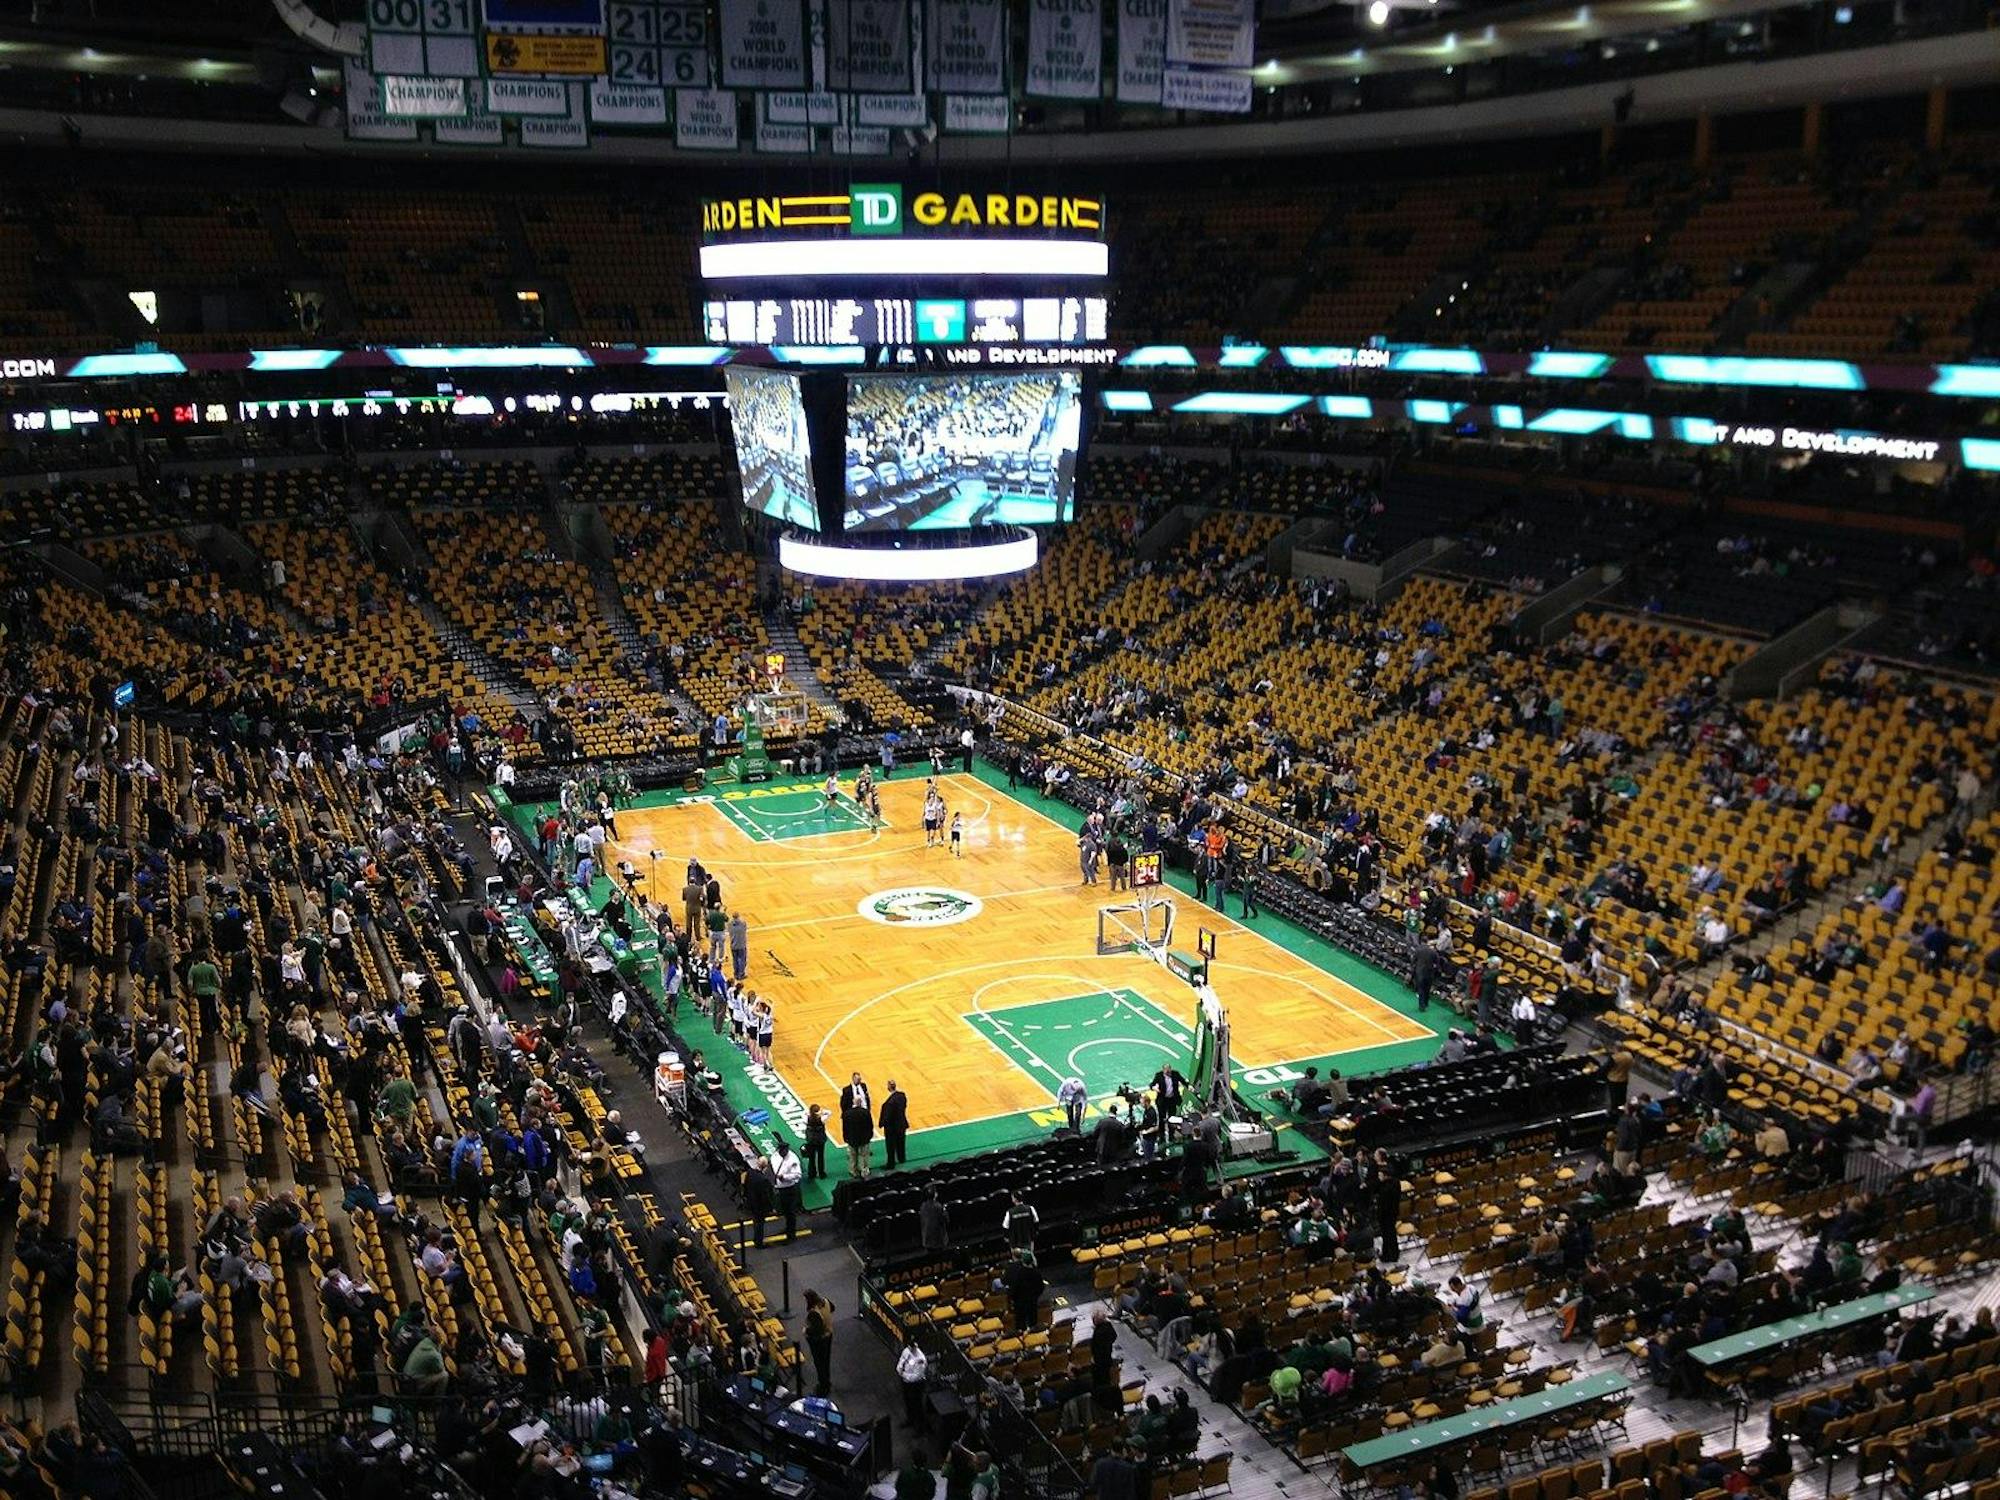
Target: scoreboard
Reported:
point(859, 320)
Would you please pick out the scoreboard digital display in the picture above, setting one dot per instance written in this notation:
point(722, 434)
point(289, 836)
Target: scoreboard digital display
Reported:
point(845, 321)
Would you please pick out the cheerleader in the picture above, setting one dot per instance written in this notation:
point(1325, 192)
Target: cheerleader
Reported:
point(762, 1023)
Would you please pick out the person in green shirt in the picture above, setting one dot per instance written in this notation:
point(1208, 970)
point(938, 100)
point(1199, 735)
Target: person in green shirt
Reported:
point(1847, 1265)
point(397, 1101)
point(485, 1108)
point(205, 982)
point(1284, 1400)
point(718, 931)
point(423, 1371)
point(594, 1326)
point(915, 1481)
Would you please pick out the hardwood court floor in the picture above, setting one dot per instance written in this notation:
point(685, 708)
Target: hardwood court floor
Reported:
point(919, 987)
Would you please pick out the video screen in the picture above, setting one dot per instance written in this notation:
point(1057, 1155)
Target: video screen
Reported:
point(930, 452)
point(772, 449)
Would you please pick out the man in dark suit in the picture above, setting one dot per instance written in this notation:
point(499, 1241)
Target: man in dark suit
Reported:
point(895, 1123)
point(857, 1125)
point(1423, 972)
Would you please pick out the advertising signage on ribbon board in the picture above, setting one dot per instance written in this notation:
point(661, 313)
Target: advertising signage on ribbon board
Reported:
point(886, 208)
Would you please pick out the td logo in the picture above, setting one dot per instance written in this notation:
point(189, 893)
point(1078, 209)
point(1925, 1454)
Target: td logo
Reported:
point(877, 208)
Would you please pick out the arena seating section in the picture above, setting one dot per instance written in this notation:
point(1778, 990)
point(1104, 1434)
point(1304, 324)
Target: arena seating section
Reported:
point(617, 590)
point(1896, 252)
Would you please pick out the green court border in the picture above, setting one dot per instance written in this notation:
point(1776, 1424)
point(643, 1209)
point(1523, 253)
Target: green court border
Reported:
point(747, 1089)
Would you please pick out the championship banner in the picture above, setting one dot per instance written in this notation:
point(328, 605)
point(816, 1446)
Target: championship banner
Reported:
point(966, 46)
point(764, 44)
point(816, 108)
point(569, 131)
point(424, 98)
point(870, 48)
point(627, 104)
point(546, 56)
point(1212, 92)
point(902, 111)
point(978, 114)
point(1065, 49)
point(777, 138)
point(705, 119)
point(1212, 33)
point(367, 120)
point(476, 127)
point(859, 140)
point(1142, 50)
point(526, 96)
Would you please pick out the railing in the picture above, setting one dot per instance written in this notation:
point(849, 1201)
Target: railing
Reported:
point(1009, 1431)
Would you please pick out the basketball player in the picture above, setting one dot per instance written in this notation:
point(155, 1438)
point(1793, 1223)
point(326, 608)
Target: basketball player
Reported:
point(958, 835)
point(832, 791)
point(933, 815)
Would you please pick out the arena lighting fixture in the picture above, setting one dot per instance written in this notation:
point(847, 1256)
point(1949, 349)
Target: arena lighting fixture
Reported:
point(1559, 364)
point(1243, 403)
point(1793, 374)
point(474, 357)
point(1128, 400)
point(1360, 407)
point(1378, 13)
point(1439, 361)
point(820, 354)
point(925, 564)
point(1432, 411)
point(93, 365)
point(686, 354)
point(292, 360)
point(1967, 380)
point(1242, 356)
point(775, 260)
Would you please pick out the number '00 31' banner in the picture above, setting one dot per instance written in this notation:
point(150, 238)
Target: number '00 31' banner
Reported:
point(968, 46)
point(1065, 49)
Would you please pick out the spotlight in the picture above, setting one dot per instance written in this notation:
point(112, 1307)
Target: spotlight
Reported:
point(1378, 13)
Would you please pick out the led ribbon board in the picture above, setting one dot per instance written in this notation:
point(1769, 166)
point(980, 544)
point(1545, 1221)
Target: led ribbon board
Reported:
point(927, 564)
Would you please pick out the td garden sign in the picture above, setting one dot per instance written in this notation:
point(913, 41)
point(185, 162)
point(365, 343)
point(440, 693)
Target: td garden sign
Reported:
point(876, 208)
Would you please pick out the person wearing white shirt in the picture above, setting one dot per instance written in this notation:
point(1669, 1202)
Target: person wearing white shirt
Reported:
point(912, 1368)
point(1074, 1097)
point(1526, 1015)
point(785, 1173)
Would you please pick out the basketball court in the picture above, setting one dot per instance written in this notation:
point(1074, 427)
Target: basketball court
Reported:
point(977, 983)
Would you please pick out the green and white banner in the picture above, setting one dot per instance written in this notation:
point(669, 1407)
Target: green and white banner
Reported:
point(1065, 49)
point(705, 119)
point(966, 46)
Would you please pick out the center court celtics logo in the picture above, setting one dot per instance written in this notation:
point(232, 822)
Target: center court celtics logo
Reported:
point(920, 906)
